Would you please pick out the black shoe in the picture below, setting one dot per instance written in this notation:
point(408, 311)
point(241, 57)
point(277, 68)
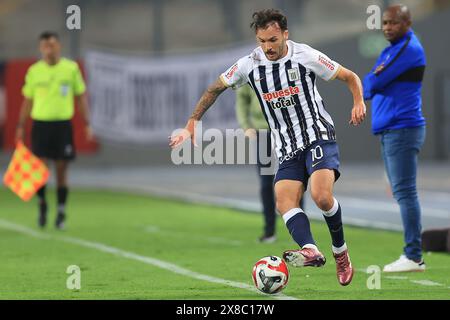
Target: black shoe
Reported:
point(42, 220)
point(60, 218)
point(267, 238)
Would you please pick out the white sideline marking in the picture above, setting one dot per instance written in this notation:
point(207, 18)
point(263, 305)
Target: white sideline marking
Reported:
point(133, 256)
point(426, 282)
point(22, 229)
point(397, 277)
point(421, 282)
point(217, 240)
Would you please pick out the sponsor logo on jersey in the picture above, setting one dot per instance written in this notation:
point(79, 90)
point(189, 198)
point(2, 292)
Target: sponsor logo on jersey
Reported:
point(231, 71)
point(327, 63)
point(291, 155)
point(281, 93)
point(281, 98)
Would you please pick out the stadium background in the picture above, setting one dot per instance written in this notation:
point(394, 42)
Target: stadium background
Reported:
point(182, 36)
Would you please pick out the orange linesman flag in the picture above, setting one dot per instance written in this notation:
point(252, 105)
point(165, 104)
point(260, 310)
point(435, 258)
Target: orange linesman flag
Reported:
point(26, 173)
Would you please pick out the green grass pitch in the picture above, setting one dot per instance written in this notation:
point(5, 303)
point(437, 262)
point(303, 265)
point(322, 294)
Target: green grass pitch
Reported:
point(212, 241)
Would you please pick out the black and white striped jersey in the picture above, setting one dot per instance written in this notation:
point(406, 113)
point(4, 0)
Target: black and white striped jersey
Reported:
point(288, 95)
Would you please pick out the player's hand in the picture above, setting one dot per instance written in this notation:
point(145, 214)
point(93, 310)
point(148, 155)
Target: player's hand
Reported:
point(89, 133)
point(358, 114)
point(19, 134)
point(186, 133)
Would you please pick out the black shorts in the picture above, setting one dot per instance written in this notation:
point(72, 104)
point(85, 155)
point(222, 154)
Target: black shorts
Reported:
point(321, 154)
point(53, 140)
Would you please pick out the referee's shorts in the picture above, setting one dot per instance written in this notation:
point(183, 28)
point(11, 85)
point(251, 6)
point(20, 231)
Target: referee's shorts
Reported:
point(53, 140)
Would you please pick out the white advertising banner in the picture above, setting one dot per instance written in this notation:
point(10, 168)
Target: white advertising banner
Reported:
point(136, 100)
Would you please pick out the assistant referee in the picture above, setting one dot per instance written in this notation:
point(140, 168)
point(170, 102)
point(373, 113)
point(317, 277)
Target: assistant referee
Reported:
point(50, 86)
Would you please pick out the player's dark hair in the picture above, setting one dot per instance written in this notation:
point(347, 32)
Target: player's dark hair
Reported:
point(48, 35)
point(262, 19)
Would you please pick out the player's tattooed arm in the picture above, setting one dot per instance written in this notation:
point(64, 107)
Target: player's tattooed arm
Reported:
point(355, 87)
point(208, 98)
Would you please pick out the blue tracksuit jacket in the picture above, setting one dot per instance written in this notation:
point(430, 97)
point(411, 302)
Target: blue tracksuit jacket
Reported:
point(394, 85)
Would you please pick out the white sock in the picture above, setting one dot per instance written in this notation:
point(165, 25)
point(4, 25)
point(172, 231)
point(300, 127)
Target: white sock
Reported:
point(311, 246)
point(288, 215)
point(340, 249)
point(333, 209)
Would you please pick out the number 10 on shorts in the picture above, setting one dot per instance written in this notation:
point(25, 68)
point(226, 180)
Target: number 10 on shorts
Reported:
point(317, 153)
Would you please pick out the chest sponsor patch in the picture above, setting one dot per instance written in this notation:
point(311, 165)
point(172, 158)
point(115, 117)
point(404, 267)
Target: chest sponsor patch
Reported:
point(282, 98)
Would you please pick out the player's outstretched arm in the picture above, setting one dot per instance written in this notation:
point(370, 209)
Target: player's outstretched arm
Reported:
point(207, 99)
point(355, 86)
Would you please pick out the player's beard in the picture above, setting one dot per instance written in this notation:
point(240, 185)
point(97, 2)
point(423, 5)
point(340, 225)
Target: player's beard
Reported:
point(278, 53)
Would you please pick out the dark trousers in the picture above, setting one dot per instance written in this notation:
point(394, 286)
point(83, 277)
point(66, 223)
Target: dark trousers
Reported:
point(266, 186)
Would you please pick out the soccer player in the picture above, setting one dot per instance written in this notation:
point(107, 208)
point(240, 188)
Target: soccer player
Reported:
point(50, 86)
point(394, 86)
point(283, 75)
point(251, 118)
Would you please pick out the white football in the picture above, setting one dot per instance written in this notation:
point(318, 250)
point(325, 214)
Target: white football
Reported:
point(270, 274)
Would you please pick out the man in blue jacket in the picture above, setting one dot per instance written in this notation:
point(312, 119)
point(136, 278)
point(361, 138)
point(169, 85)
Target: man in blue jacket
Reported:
point(394, 86)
